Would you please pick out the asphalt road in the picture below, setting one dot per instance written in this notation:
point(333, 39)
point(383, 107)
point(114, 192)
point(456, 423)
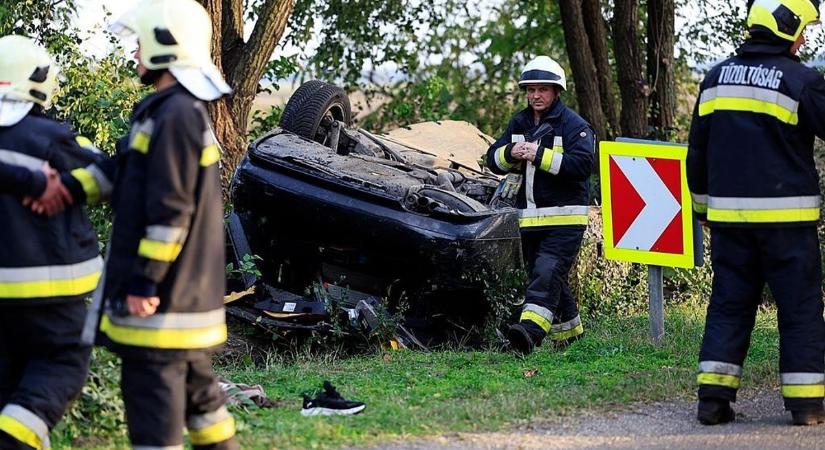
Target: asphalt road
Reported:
point(761, 424)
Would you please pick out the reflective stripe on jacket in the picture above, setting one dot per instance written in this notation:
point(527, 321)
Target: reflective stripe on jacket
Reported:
point(555, 189)
point(45, 259)
point(750, 158)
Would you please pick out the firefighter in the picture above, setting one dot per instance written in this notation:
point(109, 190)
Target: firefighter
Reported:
point(48, 265)
point(752, 176)
point(547, 151)
point(164, 281)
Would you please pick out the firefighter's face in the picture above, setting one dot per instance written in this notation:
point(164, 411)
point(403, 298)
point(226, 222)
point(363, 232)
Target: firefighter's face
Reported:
point(540, 96)
point(141, 69)
point(800, 41)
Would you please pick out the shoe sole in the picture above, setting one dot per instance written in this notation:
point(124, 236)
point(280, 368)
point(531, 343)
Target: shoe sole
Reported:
point(808, 422)
point(712, 419)
point(332, 412)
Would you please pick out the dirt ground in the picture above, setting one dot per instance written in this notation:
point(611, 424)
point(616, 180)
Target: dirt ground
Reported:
point(761, 423)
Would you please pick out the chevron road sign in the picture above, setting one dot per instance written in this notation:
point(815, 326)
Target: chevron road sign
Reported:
point(647, 213)
point(646, 205)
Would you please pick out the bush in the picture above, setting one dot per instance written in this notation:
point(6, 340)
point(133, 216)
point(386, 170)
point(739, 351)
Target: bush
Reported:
point(99, 410)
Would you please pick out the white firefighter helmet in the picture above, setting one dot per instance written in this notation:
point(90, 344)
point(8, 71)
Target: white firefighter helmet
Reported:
point(27, 71)
point(543, 70)
point(176, 35)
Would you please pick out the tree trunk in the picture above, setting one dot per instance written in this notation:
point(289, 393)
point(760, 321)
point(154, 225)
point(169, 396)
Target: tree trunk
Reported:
point(584, 70)
point(660, 42)
point(630, 68)
point(596, 28)
point(243, 64)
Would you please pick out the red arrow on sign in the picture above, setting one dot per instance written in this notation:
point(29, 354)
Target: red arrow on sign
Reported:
point(646, 198)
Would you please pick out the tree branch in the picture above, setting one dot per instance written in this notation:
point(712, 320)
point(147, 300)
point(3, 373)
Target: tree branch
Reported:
point(232, 32)
point(269, 29)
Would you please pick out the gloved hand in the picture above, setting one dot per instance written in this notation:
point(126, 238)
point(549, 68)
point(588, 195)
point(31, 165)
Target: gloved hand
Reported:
point(510, 186)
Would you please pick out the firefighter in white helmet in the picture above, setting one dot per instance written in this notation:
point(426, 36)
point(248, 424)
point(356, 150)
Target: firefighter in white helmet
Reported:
point(48, 265)
point(549, 149)
point(163, 297)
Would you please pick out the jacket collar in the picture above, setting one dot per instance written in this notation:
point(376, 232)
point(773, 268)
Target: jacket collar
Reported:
point(766, 46)
point(151, 101)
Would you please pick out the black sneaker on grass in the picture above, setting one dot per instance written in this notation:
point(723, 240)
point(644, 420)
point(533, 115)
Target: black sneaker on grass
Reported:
point(330, 403)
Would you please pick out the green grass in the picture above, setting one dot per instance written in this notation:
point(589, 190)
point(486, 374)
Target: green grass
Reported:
point(414, 394)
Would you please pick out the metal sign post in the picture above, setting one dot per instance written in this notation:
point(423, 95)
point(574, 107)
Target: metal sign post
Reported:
point(657, 303)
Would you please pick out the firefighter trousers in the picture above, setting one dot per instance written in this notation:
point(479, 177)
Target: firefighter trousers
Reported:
point(163, 397)
point(744, 260)
point(549, 305)
point(42, 369)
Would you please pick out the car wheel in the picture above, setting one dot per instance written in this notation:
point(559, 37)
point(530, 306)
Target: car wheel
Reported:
point(312, 109)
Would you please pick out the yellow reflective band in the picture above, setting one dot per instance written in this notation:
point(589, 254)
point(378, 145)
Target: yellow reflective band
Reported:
point(184, 338)
point(49, 288)
point(546, 160)
point(718, 379)
point(22, 433)
point(763, 215)
point(501, 160)
point(159, 251)
point(562, 335)
point(140, 142)
point(748, 105)
point(85, 142)
point(803, 390)
point(527, 222)
point(89, 183)
point(210, 155)
point(213, 434)
point(701, 208)
point(537, 319)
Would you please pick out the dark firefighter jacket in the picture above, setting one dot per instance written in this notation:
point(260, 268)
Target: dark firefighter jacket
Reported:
point(750, 158)
point(555, 189)
point(45, 259)
point(167, 234)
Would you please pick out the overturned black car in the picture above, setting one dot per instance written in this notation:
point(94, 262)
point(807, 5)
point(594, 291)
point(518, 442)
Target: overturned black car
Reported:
point(337, 212)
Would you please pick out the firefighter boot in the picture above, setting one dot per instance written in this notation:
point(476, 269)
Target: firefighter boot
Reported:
point(524, 337)
point(808, 416)
point(715, 412)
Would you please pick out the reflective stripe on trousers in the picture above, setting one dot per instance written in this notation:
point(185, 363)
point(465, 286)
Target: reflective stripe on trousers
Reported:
point(567, 330)
point(211, 428)
point(718, 373)
point(763, 209)
point(24, 426)
point(803, 384)
point(539, 315)
point(50, 281)
point(169, 330)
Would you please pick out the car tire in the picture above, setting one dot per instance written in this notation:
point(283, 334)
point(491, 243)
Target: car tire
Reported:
point(308, 106)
